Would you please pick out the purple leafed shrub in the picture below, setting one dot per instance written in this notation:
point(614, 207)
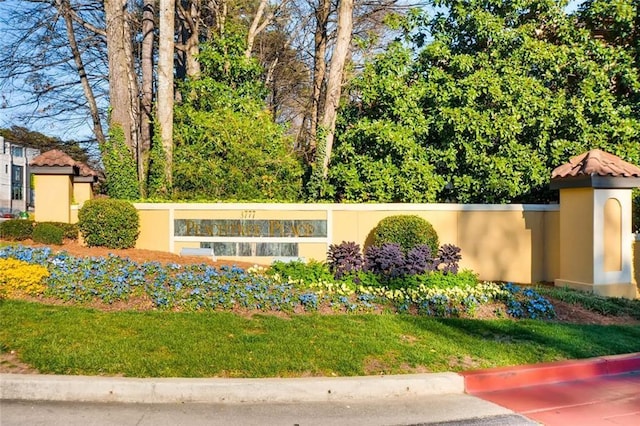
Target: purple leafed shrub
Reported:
point(344, 258)
point(387, 260)
point(420, 260)
point(448, 257)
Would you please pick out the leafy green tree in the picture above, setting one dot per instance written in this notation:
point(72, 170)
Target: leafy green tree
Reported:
point(226, 143)
point(44, 143)
point(379, 155)
point(615, 21)
point(503, 92)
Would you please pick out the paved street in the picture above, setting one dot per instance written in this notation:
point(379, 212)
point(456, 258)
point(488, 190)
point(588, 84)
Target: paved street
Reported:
point(437, 409)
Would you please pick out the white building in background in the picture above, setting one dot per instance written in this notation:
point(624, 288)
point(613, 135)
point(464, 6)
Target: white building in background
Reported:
point(15, 184)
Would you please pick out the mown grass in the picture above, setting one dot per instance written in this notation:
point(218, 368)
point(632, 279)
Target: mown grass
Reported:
point(76, 340)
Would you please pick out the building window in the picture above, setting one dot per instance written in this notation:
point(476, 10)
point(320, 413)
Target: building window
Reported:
point(17, 182)
point(17, 151)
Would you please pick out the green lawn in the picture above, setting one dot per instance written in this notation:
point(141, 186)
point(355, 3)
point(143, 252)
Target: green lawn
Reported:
point(75, 340)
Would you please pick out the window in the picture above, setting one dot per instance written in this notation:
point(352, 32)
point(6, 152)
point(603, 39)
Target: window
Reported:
point(17, 151)
point(17, 182)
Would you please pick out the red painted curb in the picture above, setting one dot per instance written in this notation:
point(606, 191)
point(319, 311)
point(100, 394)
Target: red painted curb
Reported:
point(553, 372)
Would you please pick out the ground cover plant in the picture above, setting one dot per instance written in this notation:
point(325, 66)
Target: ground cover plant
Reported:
point(612, 306)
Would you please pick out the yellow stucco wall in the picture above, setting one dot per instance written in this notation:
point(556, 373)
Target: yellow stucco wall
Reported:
point(576, 235)
point(82, 191)
point(53, 195)
point(506, 243)
point(501, 243)
point(250, 213)
point(356, 225)
point(551, 246)
point(508, 246)
point(154, 230)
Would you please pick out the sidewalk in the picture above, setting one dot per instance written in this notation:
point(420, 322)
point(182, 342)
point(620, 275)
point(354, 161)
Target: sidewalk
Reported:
point(598, 391)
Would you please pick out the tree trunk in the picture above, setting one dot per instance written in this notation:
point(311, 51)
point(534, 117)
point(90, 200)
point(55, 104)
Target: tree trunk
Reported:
point(334, 80)
point(319, 69)
point(146, 119)
point(165, 85)
point(218, 12)
point(193, 42)
point(256, 27)
point(123, 91)
point(64, 9)
point(189, 32)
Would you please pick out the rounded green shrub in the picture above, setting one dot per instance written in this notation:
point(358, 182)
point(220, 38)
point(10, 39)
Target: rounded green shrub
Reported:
point(408, 231)
point(16, 229)
point(47, 233)
point(109, 223)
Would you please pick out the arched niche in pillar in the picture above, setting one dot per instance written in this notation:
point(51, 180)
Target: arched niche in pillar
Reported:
point(612, 235)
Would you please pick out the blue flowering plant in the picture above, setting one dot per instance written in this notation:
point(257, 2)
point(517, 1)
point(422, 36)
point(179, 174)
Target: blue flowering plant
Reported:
point(385, 283)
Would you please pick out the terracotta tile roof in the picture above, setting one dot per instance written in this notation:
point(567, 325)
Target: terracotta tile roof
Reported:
point(57, 158)
point(85, 170)
point(596, 163)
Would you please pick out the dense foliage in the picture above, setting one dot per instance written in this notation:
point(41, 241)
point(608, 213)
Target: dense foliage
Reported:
point(473, 101)
point(408, 231)
point(503, 92)
point(16, 229)
point(69, 230)
point(119, 167)
point(344, 258)
point(42, 142)
point(109, 223)
point(226, 143)
point(22, 229)
point(47, 233)
point(389, 261)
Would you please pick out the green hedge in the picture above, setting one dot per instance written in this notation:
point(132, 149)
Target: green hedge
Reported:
point(69, 230)
point(109, 223)
point(407, 230)
point(16, 229)
point(47, 233)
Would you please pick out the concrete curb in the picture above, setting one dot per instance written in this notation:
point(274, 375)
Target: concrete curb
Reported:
point(42, 387)
point(133, 390)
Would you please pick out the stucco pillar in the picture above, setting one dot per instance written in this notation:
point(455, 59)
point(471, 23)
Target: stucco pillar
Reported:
point(596, 242)
point(53, 195)
point(59, 182)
